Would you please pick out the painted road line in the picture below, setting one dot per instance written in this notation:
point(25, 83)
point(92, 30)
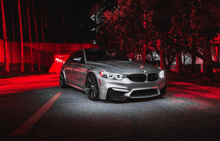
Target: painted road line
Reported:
point(28, 124)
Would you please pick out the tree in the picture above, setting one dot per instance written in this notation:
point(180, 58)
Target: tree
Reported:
point(21, 37)
point(164, 12)
point(13, 23)
point(36, 32)
point(128, 26)
point(187, 26)
point(30, 37)
point(206, 23)
point(179, 25)
point(42, 31)
point(6, 53)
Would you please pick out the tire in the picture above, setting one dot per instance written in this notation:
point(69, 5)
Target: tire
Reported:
point(163, 91)
point(62, 81)
point(91, 85)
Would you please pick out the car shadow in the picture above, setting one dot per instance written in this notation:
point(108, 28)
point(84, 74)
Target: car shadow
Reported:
point(129, 100)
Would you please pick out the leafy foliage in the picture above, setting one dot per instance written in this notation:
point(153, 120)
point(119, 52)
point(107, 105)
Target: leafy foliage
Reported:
point(179, 26)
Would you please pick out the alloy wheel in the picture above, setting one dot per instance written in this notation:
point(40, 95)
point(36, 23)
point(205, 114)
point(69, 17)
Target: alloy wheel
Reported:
point(92, 89)
point(62, 81)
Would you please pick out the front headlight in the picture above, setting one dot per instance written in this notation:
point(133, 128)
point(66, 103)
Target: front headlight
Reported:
point(161, 74)
point(110, 75)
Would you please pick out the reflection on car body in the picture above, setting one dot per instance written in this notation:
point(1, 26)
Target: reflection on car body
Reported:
point(106, 74)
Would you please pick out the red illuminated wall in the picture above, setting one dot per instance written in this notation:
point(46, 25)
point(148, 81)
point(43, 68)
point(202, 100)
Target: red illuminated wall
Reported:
point(59, 60)
point(47, 52)
point(60, 47)
point(13, 50)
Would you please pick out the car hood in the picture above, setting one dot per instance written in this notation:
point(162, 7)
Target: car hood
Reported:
point(124, 67)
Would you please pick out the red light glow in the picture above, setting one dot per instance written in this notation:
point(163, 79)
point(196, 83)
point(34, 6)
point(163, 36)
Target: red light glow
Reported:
point(26, 83)
point(99, 82)
point(190, 90)
point(58, 62)
point(101, 73)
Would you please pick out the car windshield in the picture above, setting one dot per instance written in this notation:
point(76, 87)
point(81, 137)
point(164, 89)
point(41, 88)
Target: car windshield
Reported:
point(103, 55)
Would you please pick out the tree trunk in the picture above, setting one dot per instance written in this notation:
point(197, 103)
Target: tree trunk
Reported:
point(30, 37)
point(197, 54)
point(24, 20)
point(131, 55)
point(162, 58)
point(144, 45)
point(144, 53)
point(35, 25)
point(193, 62)
point(21, 37)
point(121, 47)
point(13, 24)
point(207, 57)
point(170, 61)
point(179, 62)
point(6, 53)
point(193, 59)
point(216, 55)
point(42, 31)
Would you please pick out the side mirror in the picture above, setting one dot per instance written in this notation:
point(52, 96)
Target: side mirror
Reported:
point(129, 59)
point(78, 60)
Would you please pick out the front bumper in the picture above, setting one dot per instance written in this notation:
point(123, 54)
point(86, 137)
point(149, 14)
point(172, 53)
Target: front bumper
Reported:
point(137, 93)
point(125, 88)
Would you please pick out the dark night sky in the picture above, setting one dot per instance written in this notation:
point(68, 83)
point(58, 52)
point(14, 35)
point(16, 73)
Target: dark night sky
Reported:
point(73, 13)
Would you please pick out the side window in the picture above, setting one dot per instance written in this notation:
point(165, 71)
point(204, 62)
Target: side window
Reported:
point(71, 57)
point(78, 57)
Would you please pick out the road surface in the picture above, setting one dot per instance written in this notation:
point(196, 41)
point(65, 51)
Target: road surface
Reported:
point(36, 108)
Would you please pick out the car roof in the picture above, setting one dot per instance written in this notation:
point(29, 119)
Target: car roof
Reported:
point(91, 49)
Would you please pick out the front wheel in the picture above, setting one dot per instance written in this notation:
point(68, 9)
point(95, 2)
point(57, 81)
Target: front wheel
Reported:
point(163, 91)
point(62, 81)
point(92, 89)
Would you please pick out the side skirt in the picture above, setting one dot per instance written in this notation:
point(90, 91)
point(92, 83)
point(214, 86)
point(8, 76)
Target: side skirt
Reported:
point(77, 87)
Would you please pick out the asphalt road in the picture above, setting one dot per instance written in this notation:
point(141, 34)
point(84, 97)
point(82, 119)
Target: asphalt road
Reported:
point(35, 108)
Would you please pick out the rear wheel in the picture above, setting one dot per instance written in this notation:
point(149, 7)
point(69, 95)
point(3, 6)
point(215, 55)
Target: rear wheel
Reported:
point(92, 89)
point(62, 81)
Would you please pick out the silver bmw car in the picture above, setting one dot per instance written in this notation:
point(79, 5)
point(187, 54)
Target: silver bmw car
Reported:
point(109, 75)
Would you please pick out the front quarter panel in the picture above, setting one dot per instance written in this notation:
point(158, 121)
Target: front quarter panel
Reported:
point(95, 71)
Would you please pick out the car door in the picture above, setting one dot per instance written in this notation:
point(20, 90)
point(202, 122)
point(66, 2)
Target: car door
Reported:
point(79, 70)
point(69, 67)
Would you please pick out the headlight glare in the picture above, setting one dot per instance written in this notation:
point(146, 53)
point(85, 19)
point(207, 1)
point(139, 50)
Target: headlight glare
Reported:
point(110, 75)
point(161, 74)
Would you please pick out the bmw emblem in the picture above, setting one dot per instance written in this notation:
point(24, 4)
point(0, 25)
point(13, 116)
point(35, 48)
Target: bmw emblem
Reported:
point(144, 71)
